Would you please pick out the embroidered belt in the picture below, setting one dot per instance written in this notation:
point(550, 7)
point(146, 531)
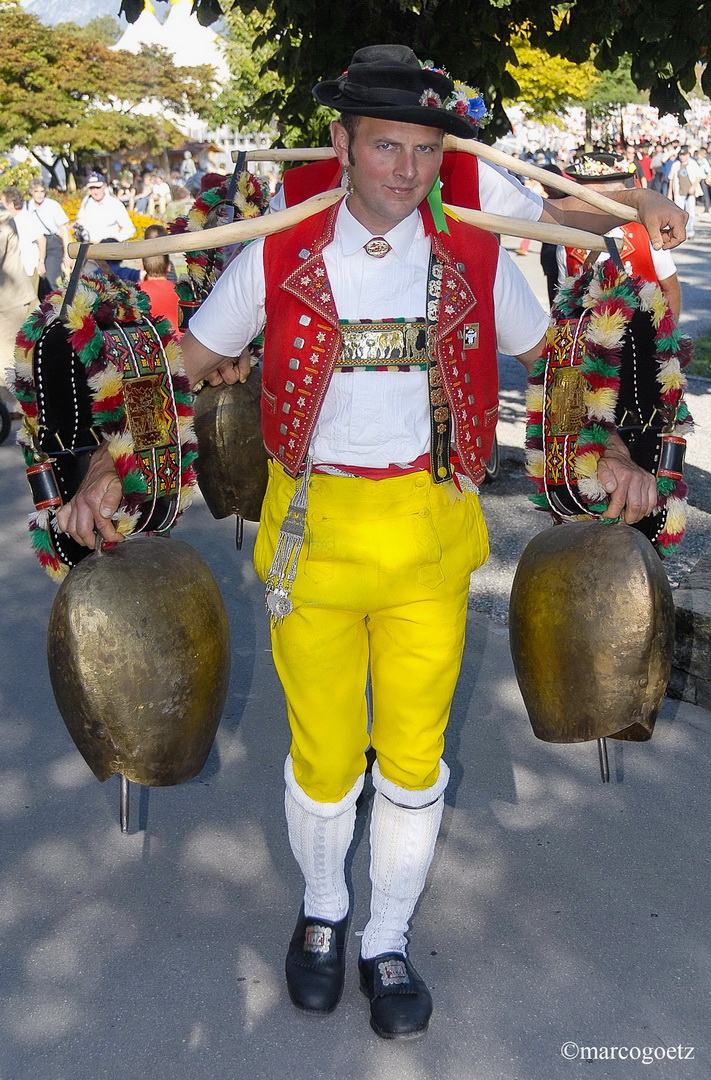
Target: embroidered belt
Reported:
point(391, 345)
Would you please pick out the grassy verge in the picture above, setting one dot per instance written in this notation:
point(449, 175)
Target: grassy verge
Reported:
point(701, 360)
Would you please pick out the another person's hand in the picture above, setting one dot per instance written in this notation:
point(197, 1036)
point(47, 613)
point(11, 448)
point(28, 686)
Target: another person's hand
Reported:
point(232, 370)
point(632, 490)
point(94, 504)
point(663, 219)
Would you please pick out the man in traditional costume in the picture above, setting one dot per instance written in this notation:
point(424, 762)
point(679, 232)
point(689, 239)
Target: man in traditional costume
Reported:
point(480, 185)
point(379, 407)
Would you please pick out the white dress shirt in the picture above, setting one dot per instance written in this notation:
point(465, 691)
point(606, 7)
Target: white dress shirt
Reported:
point(368, 418)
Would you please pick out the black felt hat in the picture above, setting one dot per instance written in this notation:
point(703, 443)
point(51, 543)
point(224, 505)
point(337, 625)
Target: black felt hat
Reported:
point(387, 82)
point(599, 167)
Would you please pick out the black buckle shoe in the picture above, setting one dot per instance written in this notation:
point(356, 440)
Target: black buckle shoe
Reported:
point(400, 1003)
point(316, 963)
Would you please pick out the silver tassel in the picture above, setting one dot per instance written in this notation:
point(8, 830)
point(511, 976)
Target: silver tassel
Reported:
point(282, 572)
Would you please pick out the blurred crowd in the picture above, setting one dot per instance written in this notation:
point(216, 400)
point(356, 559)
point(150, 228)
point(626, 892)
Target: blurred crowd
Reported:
point(678, 170)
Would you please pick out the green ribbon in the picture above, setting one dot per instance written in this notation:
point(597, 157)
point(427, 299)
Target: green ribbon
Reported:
point(434, 199)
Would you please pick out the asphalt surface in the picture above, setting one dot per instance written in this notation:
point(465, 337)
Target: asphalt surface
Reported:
point(560, 913)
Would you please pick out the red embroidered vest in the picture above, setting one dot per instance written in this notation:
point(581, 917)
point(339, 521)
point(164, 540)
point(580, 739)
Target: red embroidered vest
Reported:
point(636, 253)
point(303, 338)
point(459, 175)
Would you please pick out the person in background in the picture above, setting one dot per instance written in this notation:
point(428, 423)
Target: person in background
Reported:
point(685, 186)
point(155, 283)
point(657, 166)
point(55, 226)
point(632, 158)
point(645, 163)
point(187, 166)
point(126, 191)
point(126, 273)
point(101, 215)
point(671, 151)
point(33, 243)
point(702, 160)
point(157, 229)
point(548, 256)
point(145, 202)
point(17, 299)
point(161, 194)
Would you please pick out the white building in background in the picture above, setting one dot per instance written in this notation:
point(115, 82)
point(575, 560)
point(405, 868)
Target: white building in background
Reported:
point(191, 44)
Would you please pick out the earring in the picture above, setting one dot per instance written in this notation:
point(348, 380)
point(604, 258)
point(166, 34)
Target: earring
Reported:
point(347, 180)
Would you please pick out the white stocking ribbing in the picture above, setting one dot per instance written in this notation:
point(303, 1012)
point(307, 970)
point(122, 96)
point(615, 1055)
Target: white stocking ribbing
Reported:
point(403, 832)
point(320, 835)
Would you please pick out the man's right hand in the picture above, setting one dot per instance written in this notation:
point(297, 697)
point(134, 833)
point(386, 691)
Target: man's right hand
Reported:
point(94, 504)
point(232, 370)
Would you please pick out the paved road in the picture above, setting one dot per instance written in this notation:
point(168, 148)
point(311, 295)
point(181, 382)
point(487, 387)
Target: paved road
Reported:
point(559, 911)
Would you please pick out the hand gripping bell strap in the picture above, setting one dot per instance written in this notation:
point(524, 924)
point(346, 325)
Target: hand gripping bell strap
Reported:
point(99, 369)
point(613, 361)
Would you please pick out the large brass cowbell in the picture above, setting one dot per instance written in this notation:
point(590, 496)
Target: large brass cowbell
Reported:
point(591, 622)
point(139, 659)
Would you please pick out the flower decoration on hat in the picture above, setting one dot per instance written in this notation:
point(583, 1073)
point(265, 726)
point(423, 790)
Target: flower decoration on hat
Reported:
point(468, 102)
point(590, 166)
point(431, 100)
point(464, 100)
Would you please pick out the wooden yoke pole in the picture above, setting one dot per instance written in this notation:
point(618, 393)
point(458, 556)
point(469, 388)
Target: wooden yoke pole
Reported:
point(236, 233)
point(548, 233)
point(560, 183)
point(480, 150)
point(242, 231)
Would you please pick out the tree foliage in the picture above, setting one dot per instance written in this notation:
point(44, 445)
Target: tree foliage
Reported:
point(103, 28)
point(62, 89)
point(313, 41)
point(548, 84)
point(235, 104)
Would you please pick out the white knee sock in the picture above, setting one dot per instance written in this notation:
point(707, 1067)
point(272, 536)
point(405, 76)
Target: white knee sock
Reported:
point(403, 832)
point(320, 835)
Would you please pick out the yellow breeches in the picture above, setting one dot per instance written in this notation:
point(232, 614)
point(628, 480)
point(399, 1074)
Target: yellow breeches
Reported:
point(381, 591)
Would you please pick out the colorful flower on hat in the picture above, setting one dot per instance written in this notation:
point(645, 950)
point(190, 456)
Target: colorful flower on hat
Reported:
point(464, 100)
point(589, 166)
point(431, 100)
point(429, 65)
point(467, 102)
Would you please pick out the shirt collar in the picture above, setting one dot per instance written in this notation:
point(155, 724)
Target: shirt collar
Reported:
point(352, 235)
